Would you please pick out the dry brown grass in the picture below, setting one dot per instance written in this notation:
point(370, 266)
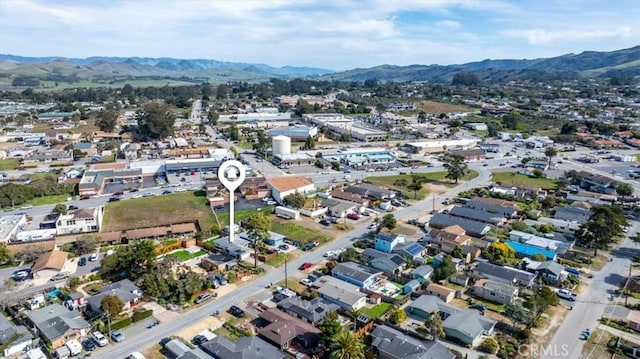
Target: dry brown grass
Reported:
point(436, 108)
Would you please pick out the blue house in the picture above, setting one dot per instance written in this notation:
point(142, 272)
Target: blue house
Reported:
point(274, 239)
point(526, 250)
point(411, 286)
point(386, 242)
point(356, 274)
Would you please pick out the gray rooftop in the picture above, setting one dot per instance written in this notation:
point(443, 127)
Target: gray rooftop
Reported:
point(476, 215)
point(312, 310)
point(124, 289)
point(506, 273)
point(394, 344)
point(354, 270)
point(473, 228)
point(55, 320)
point(243, 348)
point(339, 290)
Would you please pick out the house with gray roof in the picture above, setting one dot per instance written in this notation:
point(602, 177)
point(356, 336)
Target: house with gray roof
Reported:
point(550, 271)
point(484, 206)
point(128, 293)
point(356, 274)
point(311, 311)
point(389, 264)
point(466, 325)
point(389, 343)
point(411, 250)
point(572, 213)
point(55, 324)
point(497, 292)
point(13, 338)
point(370, 254)
point(422, 273)
point(345, 295)
point(243, 348)
point(472, 228)
point(504, 274)
point(479, 216)
point(371, 191)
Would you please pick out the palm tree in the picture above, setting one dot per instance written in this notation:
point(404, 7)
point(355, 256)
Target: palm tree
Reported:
point(456, 167)
point(550, 152)
point(345, 345)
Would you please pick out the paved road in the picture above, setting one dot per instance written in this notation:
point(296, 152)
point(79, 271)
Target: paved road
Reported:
point(590, 305)
point(152, 336)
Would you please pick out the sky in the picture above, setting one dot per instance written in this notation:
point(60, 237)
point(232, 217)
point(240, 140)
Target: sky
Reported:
point(330, 34)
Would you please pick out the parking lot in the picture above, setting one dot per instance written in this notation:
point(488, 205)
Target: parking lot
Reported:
point(113, 187)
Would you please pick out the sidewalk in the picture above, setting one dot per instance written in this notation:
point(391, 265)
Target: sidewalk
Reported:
point(635, 338)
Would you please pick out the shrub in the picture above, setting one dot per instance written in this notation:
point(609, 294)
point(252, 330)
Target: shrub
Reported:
point(138, 316)
point(121, 324)
point(489, 345)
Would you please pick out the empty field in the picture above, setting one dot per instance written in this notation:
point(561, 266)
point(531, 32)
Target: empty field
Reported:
point(158, 210)
point(400, 182)
point(520, 180)
point(437, 108)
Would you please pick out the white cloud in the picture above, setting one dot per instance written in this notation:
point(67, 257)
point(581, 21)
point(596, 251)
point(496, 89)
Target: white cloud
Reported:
point(449, 24)
point(542, 36)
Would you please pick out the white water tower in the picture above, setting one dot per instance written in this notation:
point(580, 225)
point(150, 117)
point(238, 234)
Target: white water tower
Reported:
point(281, 145)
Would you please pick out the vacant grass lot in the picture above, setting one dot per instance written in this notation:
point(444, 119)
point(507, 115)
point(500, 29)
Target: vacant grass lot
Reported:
point(54, 199)
point(9, 164)
point(299, 233)
point(516, 179)
point(158, 210)
point(437, 108)
point(400, 182)
point(223, 217)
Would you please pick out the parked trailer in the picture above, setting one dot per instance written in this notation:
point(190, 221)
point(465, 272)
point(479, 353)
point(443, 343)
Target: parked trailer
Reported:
point(287, 213)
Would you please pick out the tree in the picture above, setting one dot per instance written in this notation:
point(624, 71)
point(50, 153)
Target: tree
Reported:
point(111, 305)
point(499, 252)
point(213, 116)
point(345, 345)
point(5, 255)
point(489, 345)
point(397, 316)
point(457, 252)
point(445, 269)
point(234, 151)
point(329, 327)
point(310, 143)
point(257, 227)
point(60, 208)
point(155, 121)
point(389, 221)
point(335, 165)
point(465, 79)
point(415, 185)
point(602, 228)
point(538, 303)
point(295, 200)
point(85, 244)
point(456, 167)
point(107, 119)
point(517, 314)
point(550, 152)
point(625, 189)
point(234, 134)
point(131, 261)
point(434, 325)
point(539, 257)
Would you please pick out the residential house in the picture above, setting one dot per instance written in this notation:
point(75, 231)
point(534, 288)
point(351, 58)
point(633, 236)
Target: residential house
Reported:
point(311, 311)
point(389, 264)
point(633, 320)
point(385, 242)
point(356, 274)
point(573, 213)
point(411, 250)
point(479, 216)
point(176, 348)
point(255, 188)
point(244, 348)
point(504, 209)
point(124, 289)
point(284, 330)
point(503, 274)
point(540, 242)
point(55, 324)
point(218, 262)
point(549, 270)
point(442, 292)
point(422, 273)
point(389, 343)
point(284, 186)
point(472, 228)
point(49, 264)
point(470, 252)
point(596, 183)
point(497, 292)
point(338, 208)
point(369, 254)
point(238, 248)
point(526, 250)
point(336, 291)
point(449, 237)
point(13, 339)
point(349, 197)
point(439, 258)
point(411, 286)
point(48, 155)
point(273, 239)
point(466, 325)
point(374, 192)
point(85, 220)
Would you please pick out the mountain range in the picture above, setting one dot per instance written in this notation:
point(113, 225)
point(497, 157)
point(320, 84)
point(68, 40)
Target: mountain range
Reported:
point(623, 63)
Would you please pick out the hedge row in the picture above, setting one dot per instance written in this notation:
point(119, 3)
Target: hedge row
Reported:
point(121, 324)
point(138, 316)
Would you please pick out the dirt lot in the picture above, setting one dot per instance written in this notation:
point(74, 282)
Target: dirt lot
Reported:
point(437, 108)
point(436, 189)
point(551, 324)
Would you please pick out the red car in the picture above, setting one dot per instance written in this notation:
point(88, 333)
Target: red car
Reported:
point(306, 266)
point(85, 197)
point(353, 216)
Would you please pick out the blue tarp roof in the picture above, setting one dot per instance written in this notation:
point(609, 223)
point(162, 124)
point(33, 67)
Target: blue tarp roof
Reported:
point(527, 250)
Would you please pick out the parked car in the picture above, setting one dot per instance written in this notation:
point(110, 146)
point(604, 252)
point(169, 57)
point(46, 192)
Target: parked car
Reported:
point(199, 339)
point(99, 338)
point(306, 282)
point(119, 193)
point(89, 345)
point(147, 194)
point(202, 298)
point(114, 199)
point(60, 276)
point(283, 247)
point(82, 198)
point(306, 266)
point(566, 294)
point(325, 222)
point(221, 279)
point(479, 307)
point(93, 257)
point(72, 207)
point(236, 311)
point(167, 192)
point(117, 336)
point(82, 261)
point(353, 216)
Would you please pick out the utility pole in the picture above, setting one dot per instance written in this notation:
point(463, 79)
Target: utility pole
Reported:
point(433, 198)
point(285, 270)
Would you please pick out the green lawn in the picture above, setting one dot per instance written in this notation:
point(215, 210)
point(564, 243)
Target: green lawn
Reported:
point(377, 311)
point(299, 233)
point(9, 164)
point(394, 182)
point(184, 255)
point(158, 210)
point(278, 260)
point(54, 199)
point(516, 179)
point(223, 217)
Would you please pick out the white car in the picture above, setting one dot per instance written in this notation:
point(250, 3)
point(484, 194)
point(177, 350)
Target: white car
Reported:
point(306, 282)
point(93, 257)
point(99, 338)
point(60, 276)
point(565, 294)
point(137, 196)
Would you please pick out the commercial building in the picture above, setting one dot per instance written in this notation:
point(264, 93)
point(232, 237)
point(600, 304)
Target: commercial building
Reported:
point(255, 117)
point(284, 186)
point(94, 182)
point(296, 133)
point(440, 146)
point(342, 125)
point(10, 225)
point(85, 220)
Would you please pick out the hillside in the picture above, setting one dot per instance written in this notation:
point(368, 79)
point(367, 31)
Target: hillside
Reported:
point(114, 70)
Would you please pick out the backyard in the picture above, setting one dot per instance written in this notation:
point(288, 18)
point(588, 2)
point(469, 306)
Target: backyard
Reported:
point(520, 180)
point(401, 182)
point(377, 311)
point(158, 210)
point(185, 255)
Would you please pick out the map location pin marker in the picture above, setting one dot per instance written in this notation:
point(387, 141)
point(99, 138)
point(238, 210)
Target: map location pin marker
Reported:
point(231, 174)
